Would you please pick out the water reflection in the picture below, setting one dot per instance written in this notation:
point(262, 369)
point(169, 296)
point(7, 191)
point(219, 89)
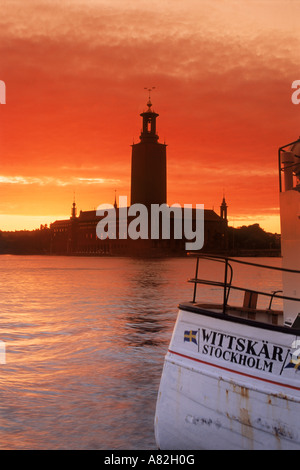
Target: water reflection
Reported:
point(144, 330)
point(147, 318)
point(85, 341)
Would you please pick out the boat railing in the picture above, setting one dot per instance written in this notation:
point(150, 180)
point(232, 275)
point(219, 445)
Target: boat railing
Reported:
point(227, 286)
point(288, 165)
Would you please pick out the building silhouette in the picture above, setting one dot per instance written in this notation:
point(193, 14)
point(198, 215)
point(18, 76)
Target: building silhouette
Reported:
point(223, 210)
point(149, 164)
point(77, 235)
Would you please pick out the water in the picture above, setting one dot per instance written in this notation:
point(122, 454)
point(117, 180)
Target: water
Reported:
point(85, 343)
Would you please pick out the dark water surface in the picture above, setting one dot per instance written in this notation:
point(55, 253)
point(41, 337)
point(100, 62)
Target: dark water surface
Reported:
point(85, 343)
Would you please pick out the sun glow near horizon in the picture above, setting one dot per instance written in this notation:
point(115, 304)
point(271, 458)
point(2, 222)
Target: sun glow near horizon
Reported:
point(16, 222)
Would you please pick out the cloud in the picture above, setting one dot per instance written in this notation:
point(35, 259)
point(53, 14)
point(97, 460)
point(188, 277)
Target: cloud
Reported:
point(43, 181)
point(96, 181)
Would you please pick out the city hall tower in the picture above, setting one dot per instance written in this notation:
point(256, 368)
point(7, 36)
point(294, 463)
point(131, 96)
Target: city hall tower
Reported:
point(149, 164)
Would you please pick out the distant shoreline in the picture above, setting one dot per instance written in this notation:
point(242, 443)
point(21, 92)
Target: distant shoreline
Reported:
point(243, 253)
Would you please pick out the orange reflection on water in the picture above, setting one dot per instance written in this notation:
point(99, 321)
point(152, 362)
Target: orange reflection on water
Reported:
point(85, 341)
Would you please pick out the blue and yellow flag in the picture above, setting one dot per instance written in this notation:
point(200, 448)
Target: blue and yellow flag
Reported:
point(190, 336)
point(293, 364)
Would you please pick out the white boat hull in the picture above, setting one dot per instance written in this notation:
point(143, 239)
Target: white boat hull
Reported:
point(228, 385)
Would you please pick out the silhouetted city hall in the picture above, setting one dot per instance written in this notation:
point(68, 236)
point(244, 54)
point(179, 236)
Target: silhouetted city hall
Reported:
point(78, 236)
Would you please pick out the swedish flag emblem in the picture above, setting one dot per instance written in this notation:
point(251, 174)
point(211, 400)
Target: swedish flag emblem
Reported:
point(190, 336)
point(293, 364)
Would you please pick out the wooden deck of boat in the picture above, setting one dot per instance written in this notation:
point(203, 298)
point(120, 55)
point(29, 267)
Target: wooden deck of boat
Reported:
point(273, 317)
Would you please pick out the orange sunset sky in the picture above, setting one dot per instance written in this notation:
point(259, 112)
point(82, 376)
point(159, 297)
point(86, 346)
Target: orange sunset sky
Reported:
point(75, 72)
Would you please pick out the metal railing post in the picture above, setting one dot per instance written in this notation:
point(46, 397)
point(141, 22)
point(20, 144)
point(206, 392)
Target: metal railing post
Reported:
point(195, 283)
point(225, 287)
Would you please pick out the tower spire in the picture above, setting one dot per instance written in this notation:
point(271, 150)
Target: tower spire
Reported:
point(149, 103)
point(73, 213)
point(149, 121)
point(223, 208)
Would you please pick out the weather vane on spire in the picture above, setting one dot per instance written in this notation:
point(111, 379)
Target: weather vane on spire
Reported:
point(149, 104)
